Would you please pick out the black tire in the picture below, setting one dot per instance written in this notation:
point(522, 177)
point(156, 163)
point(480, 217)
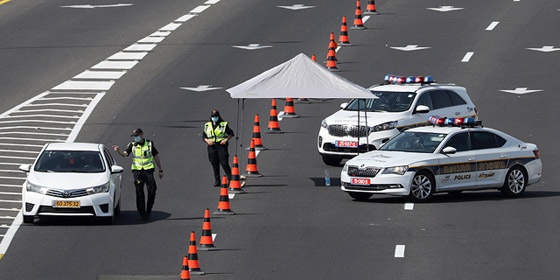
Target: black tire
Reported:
point(117, 210)
point(422, 187)
point(28, 219)
point(330, 160)
point(515, 182)
point(360, 196)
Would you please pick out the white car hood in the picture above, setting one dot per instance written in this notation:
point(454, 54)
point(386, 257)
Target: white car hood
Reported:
point(343, 117)
point(67, 181)
point(388, 158)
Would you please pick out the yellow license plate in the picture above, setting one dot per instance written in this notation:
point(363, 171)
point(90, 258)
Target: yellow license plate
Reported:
point(66, 204)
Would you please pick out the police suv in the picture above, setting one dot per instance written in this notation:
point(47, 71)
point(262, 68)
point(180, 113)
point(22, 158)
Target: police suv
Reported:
point(397, 104)
point(464, 156)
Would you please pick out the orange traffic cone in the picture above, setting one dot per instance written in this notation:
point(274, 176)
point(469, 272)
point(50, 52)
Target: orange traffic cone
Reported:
point(332, 46)
point(235, 181)
point(185, 274)
point(343, 38)
point(206, 241)
point(257, 134)
point(273, 125)
point(358, 23)
point(313, 58)
point(370, 9)
point(331, 61)
point(252, 170)
point(289, 111)
point(194, 266)
point(223, 205)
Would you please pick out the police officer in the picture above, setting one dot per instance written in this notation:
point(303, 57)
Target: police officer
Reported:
point(144, 153)
point(217, 134)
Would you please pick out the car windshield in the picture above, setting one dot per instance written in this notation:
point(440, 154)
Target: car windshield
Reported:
point(418, 142)
point(386, 101)
point(70, 161)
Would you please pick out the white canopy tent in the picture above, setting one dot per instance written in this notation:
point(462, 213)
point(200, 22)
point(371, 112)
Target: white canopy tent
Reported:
point(299, 77)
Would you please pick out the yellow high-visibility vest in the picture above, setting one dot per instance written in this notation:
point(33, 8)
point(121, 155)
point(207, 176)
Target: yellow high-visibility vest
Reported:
point(142, 157)
point(216, 134)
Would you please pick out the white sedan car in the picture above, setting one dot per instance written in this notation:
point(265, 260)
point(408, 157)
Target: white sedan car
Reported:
point(72, 179)
point(422, 161)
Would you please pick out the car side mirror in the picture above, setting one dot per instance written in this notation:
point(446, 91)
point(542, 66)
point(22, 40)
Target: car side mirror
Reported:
point(25, 167)
point(422, 109)
point(343, 105)
point(116, 169)
point(448, 150)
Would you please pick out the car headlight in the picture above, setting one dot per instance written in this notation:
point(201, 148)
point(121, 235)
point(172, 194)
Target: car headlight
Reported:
point(324, 124)
point(396, 170)
point(35, 188)
point(345, 168)
point(99, 189)
point(383, 126)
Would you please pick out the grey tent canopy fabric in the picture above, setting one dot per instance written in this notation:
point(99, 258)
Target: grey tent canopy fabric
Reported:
point(299, 77)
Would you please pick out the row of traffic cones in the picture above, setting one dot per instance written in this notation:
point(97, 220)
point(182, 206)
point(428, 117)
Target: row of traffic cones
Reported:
point(191, 264)
point(343, 40)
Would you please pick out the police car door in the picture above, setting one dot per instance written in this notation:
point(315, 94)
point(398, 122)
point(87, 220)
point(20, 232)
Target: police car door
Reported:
point(446, 106)
point(491, 159)
point(458, 170)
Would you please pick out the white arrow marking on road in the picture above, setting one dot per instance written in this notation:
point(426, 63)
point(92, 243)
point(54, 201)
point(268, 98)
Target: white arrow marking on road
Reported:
point(410, 48)
point(445, 9)
point(96, 6)
point(296, 7)
point(252, 47)
point(521, 90)
point(201, 88)
point(545, 49)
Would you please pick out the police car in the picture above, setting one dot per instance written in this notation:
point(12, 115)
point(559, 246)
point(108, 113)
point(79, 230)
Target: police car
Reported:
point(421, 161)
point(397, 104)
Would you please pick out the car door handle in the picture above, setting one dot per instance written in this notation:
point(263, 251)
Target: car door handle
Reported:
point(503, 156)
point(457, 113)
point(470, 159)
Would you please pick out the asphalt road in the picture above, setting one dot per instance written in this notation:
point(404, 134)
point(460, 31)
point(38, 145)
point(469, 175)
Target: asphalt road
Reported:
point(288, 225)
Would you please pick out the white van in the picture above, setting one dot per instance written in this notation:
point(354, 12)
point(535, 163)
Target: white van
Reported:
point(397, 104)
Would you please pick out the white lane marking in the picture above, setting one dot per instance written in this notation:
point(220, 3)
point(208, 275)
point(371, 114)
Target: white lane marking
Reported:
point(545, 49)
point(12, 178)
point(66, 98)
point(170, 27)
point(409, 206)
point(7, 239)
point(467, 57)
point(9, 209)
point(20, 145)
point(96, 6)
point(201, 88)
point(214, 236)
point(160, 34)
point(251, 47)
point(520, 91)
point(7, 217)
point(185, 18)
point(128, 55)
point(25, 103)
point(257, 153)
point(28, 139)
point(100, 75)
point(49, 110)
point(492, 25)
point(140, 47)
point(122, 65)
point(33, 127)
point(84, 117)
point(365, 18)
point(337, 48)
point(41, 115)
point(10, 157)
point(445, 9)
point(11, 193)
point(10, 163)
point(199, 9)
point(149, 39)
point(18, 151)
point(399, 251)
point(280, 115)
point(296, 7)
point(409, 48)
point(231, 195)
point(56, 104)
point(85, 85)
point(10, 201)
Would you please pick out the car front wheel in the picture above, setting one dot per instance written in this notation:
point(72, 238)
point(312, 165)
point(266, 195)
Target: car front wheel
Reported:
point(515, 183)
point(422, 187)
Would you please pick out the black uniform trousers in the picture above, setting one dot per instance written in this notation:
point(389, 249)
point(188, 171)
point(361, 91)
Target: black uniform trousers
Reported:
point(218, 155)
point(142, 177)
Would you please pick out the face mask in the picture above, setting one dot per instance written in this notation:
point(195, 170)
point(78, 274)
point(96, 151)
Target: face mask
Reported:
point(214, 119)
point(137, 139)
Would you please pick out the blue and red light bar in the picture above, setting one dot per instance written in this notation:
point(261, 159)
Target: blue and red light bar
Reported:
point(437, 120)
point(389, 78)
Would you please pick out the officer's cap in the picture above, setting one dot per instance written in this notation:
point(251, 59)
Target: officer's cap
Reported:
point(137, 132)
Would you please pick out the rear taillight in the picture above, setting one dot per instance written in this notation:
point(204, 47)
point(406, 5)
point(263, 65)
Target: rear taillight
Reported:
point(537, 155)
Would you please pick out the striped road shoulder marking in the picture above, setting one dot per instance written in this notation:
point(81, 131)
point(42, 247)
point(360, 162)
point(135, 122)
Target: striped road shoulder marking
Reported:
point(399, 251)
point(492, 25)
point(467, 57)
point(409, 206)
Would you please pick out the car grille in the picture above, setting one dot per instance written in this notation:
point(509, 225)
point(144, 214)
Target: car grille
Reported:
point(367, 172)
point(67, 194)
point(348, 130)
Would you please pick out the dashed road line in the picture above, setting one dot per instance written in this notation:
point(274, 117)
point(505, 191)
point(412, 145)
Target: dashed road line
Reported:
point(115, 65)
point(128, 55)
point(141, 47)
point(467, 57)
point(399, 251)
point(101, 75)
point(492, 25)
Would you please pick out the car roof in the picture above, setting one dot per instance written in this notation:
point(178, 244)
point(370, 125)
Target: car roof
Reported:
point(410, 87)
point(72, 147)
point(437, 129)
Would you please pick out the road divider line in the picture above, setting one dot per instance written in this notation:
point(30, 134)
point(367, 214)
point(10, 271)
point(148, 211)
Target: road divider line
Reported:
point(86, 85)
point(151, 40)
point(467, 57)
point(211, 2)
point(115, 65)
point(19, 151)
point(492, 25)
point(84, 117)
point(9, 209)
point(170, 27)
point(40, 115)
point(185, 18)
point(365, 18)
point(199, 9)
point(100, 75)
point(160, 34)
point(21, 145)
point(29, 139)
point(399, 251)
point(10, 201)
point(140, 47)
point(129, 55)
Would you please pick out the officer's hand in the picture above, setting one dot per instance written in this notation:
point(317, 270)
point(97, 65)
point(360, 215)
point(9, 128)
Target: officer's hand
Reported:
point(116, 148)
point(223, 142)
point(160, 174)
point(210, 142)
